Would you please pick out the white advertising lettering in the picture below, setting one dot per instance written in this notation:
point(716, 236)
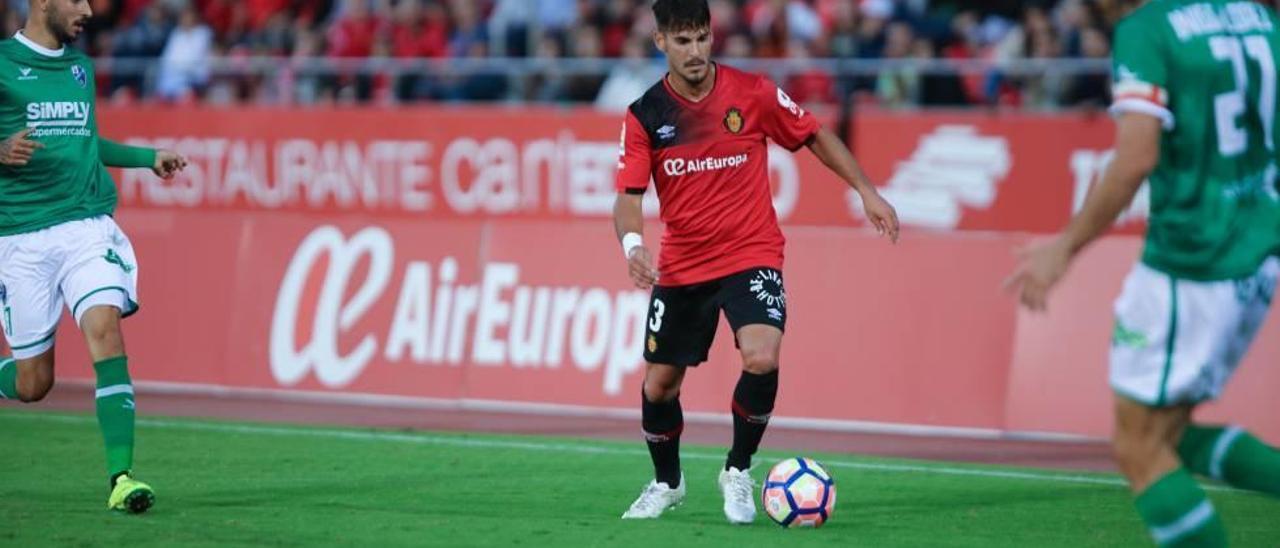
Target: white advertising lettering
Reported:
point(463, 176)
point(679, 167)
point(439, 319)
point(1087, 167)
point(952, 168)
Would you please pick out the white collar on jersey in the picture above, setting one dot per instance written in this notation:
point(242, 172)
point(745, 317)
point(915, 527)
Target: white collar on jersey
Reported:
point(37, 47)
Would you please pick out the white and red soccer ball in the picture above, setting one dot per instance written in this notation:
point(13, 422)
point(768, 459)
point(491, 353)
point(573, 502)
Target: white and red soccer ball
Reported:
point(799, 493)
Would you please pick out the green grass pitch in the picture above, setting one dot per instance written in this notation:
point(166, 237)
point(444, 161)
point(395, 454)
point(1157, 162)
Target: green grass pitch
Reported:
point(221, 484)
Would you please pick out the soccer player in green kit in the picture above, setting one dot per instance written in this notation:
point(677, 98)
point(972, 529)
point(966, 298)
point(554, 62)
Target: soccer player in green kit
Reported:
point(1195, 96)
point(58, 242)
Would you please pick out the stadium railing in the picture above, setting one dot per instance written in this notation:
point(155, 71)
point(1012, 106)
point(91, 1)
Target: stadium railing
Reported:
point(521, 73)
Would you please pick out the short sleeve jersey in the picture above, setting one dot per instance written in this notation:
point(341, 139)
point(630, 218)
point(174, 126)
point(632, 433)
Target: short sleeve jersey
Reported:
point(50, 93)
point(1207, 70)
point(709, 162)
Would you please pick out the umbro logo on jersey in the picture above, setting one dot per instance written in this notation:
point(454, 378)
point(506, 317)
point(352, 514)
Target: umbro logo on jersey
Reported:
point(666, 133)
point(24, 73)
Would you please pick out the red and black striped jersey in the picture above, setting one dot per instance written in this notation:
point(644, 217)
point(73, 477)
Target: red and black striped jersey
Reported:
point(708, 161)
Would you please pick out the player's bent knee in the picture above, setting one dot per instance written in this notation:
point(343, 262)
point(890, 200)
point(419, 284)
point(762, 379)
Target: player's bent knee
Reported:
point(33, 388)
point(1133, 452)
point(657, 392)
point(759, 363)
point(101, 327)
point(662, 384)
point(35, 377)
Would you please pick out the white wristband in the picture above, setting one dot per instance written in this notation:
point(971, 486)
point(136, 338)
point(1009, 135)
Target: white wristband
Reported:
point(630, 241)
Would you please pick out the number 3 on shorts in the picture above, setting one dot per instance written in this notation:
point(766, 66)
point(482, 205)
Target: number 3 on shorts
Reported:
point(659, 308)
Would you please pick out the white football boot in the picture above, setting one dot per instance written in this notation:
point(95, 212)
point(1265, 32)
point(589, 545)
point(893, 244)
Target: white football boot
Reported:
point(655, 499)
point(739, 495)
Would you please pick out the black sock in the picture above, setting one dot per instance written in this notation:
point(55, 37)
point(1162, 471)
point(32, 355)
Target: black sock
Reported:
point(663, 422)
point(752, 404)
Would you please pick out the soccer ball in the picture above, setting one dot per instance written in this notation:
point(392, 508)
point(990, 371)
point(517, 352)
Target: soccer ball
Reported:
point(799, 493)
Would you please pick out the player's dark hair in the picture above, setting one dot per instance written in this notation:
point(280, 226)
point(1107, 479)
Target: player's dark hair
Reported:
point(680, 15)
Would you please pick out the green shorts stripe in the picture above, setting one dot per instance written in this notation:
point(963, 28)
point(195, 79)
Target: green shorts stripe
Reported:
point(1171, 343)
point(76, 308)
point(46, 339)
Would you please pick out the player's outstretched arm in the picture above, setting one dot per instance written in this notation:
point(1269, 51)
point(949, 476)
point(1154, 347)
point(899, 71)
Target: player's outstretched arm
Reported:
point(1041, 266)
point(163, 163)
point(832, 151)
point(628, 222)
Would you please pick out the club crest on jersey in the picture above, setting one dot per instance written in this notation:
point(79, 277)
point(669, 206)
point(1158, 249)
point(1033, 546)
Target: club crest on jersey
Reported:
point(80, 75)
point(733, 120)
point(653, 344)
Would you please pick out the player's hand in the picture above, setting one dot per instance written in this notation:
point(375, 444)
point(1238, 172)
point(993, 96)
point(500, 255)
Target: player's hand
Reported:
point(1039, 269)
point(168, 164)
point(17, 149)
point(881, 214)
point(640, 265)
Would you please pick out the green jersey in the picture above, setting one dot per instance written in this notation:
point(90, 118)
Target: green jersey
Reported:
point(1207, 69)
point(51, 92)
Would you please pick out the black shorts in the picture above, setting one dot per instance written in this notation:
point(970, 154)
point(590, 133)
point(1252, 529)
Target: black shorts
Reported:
point(682, 319)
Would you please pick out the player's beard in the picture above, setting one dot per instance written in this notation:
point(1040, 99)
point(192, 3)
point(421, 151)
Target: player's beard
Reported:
point(62, 27)
point(694, 79)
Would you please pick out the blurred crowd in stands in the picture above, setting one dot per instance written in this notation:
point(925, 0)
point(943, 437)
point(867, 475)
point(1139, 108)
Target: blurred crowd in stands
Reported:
point(184, 41)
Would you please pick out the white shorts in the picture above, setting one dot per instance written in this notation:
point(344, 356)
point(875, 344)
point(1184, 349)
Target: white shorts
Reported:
point(82, 263)
point(1178, 341)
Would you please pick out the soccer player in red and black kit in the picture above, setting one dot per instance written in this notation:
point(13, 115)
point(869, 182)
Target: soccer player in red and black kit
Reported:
point(700, 135)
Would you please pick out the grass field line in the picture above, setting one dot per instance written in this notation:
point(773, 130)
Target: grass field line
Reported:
point(557, 447)
point(572, 410)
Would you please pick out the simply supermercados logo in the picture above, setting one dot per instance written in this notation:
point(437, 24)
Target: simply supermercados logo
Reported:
point(439, 319)
point(59, 118)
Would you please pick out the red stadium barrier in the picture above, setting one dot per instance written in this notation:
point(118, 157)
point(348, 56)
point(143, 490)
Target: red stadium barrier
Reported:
point(531, 307)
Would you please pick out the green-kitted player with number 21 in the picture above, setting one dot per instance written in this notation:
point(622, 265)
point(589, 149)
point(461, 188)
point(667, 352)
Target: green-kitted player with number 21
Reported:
point(1195, 97)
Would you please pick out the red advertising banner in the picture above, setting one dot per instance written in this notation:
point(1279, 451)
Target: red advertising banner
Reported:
point(982, 172)
point(542, 313)
point(466, 255)
point(989, 172)
point(535, 313)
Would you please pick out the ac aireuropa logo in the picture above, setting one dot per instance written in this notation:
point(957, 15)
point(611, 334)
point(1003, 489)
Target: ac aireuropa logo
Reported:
point(679, 167)
point(438, 319)
point(320, 354)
